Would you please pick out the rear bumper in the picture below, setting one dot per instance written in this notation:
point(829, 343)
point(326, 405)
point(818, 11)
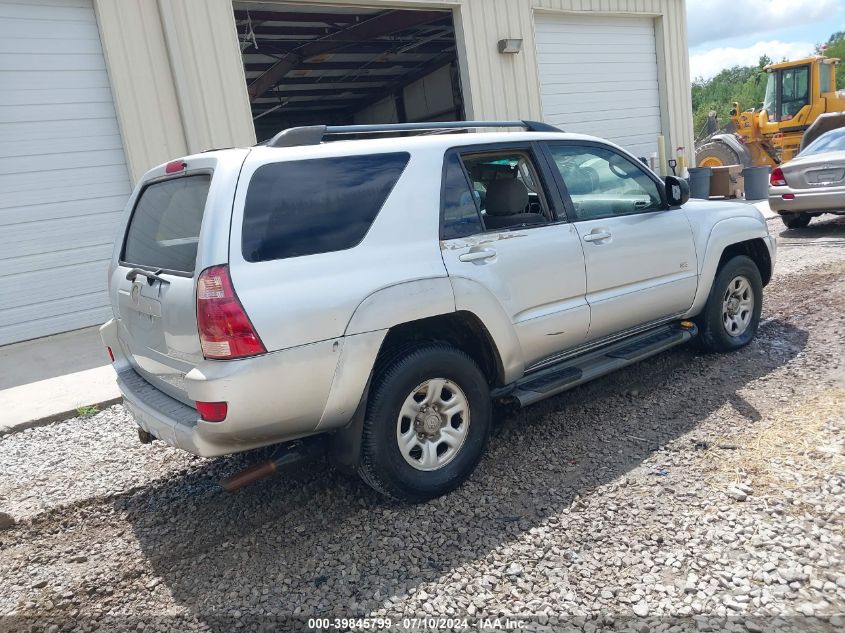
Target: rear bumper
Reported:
point(831, 200)
point(157, 413)
point(175, 423)
point(271, 398)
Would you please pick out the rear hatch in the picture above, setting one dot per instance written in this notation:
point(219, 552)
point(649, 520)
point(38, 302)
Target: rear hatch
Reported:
point(171, 234)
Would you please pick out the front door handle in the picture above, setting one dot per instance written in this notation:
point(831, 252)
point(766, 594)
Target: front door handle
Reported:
point(477, 256)
point(597, 235)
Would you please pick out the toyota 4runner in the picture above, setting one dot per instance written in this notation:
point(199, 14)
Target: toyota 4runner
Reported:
point(383, 292)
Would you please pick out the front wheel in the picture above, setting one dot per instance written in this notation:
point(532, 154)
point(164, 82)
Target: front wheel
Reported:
point(796, 220)
point(427, 423)
point(716, 154)
point(732, 313)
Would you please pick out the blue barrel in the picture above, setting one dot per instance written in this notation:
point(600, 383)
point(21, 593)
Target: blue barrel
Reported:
point(756, 182)
point(699, 182)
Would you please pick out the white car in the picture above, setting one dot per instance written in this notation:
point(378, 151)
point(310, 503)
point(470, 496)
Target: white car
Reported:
point(382, 293)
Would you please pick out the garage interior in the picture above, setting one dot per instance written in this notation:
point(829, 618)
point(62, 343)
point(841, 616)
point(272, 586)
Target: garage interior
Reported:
point(347, 65)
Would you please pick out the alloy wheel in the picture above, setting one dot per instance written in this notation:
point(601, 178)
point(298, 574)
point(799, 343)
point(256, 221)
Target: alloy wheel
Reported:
point(433, 424)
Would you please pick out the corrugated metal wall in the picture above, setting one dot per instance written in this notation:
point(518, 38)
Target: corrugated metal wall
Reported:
point(205, 72)
point(507, 86)
point(144, 91)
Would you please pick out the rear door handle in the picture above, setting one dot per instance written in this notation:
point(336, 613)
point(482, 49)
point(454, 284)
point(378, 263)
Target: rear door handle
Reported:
point(597, 236)
point(477, 256)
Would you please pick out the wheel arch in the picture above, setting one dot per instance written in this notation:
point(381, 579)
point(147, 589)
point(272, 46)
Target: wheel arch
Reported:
point(461, 328)
point(402, 302)
point(730, 237)
point(756, 250)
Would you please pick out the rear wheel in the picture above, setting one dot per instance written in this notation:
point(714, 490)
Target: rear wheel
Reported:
point(732, 313)
point(796, 220)
point(427, 423)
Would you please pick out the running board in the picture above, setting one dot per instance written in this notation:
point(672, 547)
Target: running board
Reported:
point(575, 371)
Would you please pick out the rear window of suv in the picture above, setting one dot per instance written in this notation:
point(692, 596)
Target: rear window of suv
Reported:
point(165, 226)
point(315, 206)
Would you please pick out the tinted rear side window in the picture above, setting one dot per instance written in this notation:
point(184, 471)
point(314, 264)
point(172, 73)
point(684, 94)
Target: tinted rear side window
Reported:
point(314, 206)
point(165, 225)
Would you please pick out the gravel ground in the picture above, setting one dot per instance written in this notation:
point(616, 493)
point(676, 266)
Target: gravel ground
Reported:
point(689, 492)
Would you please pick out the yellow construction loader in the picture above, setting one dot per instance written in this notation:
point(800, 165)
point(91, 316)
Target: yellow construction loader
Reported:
point(801, 103)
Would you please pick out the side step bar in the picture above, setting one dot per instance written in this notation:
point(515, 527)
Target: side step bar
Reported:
point(575, 371)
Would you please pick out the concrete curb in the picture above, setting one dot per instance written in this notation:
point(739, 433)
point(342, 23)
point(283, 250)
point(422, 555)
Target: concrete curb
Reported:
point(64, 416)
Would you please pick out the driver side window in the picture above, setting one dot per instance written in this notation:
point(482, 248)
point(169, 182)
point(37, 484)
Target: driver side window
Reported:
point(602, 183)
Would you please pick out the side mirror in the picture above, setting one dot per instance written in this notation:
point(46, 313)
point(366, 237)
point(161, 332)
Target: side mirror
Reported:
point(677, 191)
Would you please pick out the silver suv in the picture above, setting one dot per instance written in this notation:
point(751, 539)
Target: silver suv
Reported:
point(382, 292)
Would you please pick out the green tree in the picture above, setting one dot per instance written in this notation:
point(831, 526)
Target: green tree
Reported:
point(743, 84)
point(835, 47)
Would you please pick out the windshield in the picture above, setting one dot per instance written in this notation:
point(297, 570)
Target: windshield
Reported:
point(833, 141)
point(771, 95)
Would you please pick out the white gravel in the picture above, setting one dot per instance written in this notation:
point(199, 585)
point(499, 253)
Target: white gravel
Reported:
point(689, 492)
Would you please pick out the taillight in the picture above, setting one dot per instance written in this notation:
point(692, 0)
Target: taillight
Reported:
point(225, 330)
point(777, 178)
point(212, 411)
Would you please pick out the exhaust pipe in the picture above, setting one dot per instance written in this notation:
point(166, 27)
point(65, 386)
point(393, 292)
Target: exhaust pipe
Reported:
point(293, 454)
point(249, 476)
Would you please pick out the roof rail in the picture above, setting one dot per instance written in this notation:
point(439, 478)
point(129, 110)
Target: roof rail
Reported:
point(314, 134)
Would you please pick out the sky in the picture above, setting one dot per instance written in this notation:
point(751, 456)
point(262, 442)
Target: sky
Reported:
point(725, 33)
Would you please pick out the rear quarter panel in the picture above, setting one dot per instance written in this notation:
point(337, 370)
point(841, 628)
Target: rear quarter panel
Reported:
point(302, 300)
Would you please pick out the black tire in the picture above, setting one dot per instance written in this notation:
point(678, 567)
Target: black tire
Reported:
point(382, 464)
point(718, 150)
point(713, 333)
point(796, 220)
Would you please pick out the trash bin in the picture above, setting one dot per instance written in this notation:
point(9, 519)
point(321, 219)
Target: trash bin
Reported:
point(756, 182)
point(699, 182)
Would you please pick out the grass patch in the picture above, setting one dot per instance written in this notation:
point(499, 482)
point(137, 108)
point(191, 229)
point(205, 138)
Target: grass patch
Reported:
point(87, 412)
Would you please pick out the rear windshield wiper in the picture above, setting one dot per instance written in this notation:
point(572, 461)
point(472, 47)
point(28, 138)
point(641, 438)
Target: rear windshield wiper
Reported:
point(150, 275)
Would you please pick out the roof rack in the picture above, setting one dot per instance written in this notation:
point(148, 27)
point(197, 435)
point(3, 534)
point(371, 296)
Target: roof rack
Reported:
point(314, 134)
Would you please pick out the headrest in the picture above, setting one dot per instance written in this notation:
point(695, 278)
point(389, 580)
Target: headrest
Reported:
point(506, 197)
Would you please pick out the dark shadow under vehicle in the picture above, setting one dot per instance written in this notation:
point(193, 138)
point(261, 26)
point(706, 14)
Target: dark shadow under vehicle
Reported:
point(827, 226)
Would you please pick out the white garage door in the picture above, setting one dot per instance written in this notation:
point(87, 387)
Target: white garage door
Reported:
point(598, 75)
point(63, 177)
